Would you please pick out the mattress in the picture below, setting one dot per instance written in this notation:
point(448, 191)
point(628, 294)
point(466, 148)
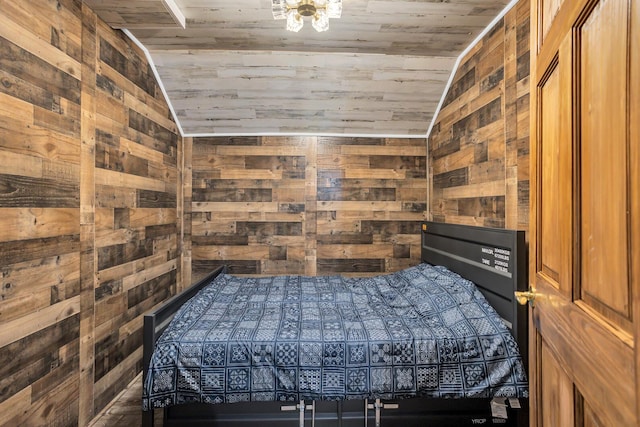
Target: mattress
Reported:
point(420, 332)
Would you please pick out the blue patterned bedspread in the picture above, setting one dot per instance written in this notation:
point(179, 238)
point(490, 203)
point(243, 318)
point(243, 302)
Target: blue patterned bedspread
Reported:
point(423, 331)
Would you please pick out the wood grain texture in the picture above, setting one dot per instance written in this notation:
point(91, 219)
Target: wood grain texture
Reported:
point(139, 14)
point(383, 27)
point(379, 70)
point(88, 211)
point(478, 149)
point(137, 237)
point(551, 253)
point(307, 205)
point(40, 222)
point(605, 249)
point(583, 121)
point(86, 409)
point(255, 92)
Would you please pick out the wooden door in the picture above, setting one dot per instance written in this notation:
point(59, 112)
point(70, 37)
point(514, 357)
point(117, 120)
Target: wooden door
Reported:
point(585, 212)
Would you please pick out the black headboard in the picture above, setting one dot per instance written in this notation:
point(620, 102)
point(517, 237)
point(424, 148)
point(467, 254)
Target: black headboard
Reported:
point(494, 259)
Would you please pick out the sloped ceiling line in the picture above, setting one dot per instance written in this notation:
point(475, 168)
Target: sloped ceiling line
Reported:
point(224, 86)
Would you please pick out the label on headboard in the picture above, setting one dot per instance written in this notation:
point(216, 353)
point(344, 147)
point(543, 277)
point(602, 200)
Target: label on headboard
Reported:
point(497, 258)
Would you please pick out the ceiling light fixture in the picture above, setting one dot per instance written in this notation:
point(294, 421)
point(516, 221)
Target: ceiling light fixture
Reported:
point(294, 10)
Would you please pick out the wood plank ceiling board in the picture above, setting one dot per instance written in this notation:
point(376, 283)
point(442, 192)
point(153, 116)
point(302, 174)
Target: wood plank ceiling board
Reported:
point(235, 92)
point(139, 13)
point(379, 70)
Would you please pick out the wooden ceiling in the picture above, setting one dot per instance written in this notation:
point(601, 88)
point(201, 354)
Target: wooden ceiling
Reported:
point(380, 70)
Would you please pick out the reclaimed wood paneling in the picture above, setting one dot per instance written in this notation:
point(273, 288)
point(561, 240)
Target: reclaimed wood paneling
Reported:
point(139, 14)
point(87, 219)
point(247, 91)
point(136, 222)
point(372, 196)
point(40, 208)
point(379, 70)
point(479, 146)
point(89, 230)
point(307, 205)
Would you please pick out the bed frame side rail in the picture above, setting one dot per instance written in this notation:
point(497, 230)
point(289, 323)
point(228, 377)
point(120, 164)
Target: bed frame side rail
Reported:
point(156, 321)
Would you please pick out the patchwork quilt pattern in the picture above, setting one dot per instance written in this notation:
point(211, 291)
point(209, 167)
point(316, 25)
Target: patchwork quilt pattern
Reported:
point(420, 332)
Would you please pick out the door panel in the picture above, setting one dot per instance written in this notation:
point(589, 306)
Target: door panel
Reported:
point(585, 213)
point(557, 391)
point(604, 146)
point(554, 173)
point(550, 198)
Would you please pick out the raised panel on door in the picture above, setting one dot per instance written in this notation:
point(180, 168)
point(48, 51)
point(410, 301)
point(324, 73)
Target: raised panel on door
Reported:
point(554, 175)
point(604, 234)
point(549, 178)
point(556, 403)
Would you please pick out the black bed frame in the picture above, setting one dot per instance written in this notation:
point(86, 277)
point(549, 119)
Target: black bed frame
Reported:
point(494, 259)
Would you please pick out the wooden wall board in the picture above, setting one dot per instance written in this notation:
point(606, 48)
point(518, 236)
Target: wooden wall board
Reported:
point(89, 230)
point(478, 149)
point(40, 221)
point(137, 270)
point(87, 221)
point(136, 237)
point(307, 205)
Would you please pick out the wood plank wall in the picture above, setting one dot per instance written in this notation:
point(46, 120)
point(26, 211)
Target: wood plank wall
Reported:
point(306, 205)
point(479, 146)
point(89, 223)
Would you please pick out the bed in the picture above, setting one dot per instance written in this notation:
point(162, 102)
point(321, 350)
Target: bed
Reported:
point(415, 347)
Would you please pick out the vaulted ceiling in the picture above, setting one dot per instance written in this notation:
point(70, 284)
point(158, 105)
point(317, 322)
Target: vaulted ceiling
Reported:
point(229, 68)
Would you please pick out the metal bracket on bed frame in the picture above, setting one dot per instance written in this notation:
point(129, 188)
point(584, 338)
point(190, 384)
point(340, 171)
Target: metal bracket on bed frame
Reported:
point(302, 407)
point(378, 406)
